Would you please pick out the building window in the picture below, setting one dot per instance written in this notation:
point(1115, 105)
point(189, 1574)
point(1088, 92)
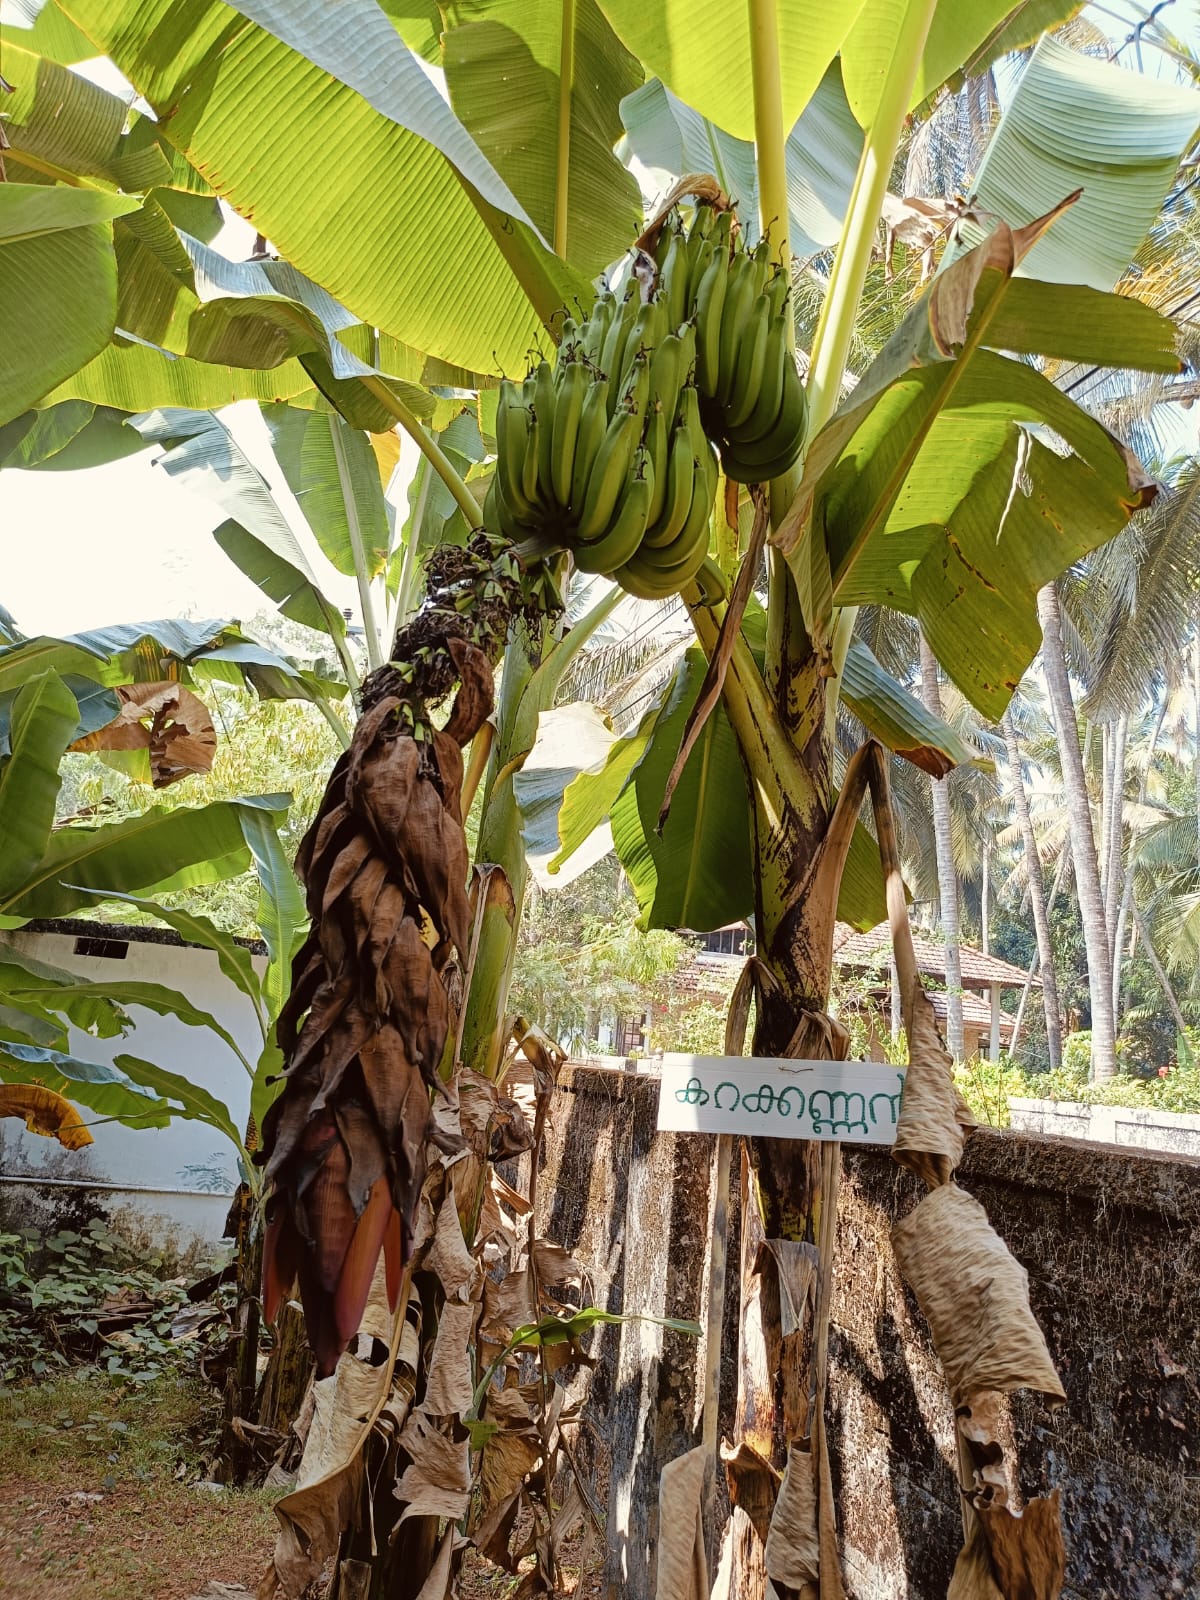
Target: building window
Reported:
point(630, 1036)
point(109, 949)
point(724, 942)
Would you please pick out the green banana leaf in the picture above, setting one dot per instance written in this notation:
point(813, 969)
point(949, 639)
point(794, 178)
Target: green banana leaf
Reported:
point(698, 875)
point(282, 915)
point(133, 652)
point(139, 377)
point(57, 265)
point(156, 283)
point(101, 1017)
point(678, 41)
point(504, 74)
point(51, 35)
point(332, 471)
point(239, 98)
point(205, 456)
point(186, 1099)
point(44, 719)
point(106, 1090)
point(897, 718)
point(66, 437)
point(934, 485)
point(822, 155)
point(156, 997)
point(571, 740)
point(1075, 122)
point(59, 126)
point(234, 960)
point(869, 54)
point(159, 850)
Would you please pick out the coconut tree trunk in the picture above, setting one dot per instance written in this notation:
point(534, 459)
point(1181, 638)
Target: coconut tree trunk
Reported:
point(1116, 827)
point(1083, 839)
point(1127, 888)
point(1037, 895)
point(947, 876)
point(1160, 972)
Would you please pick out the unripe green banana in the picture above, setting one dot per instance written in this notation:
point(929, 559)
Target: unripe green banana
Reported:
point(722, 231)
point(763, 417)
point(712, 584)
point(658, 448)
point(614, 339)
point(635, 393)
point(777, 450)
point(608, 474)
point(568, 409)
point(777, 290)
point(674, 282)
point(752, 356)
point(497, 511)
point(689, 547)
point(642, 582)
point(703, 218)
point(710, 298)
point(681, 467)
point(700, 253)
point(628, 525)
point(644, 336)
point(513, 421)
point(597, 325)
point(531, 486)
point(593, 423)
point(545, 405)
point(739, 297)
point(669, 369)
point(670, 230)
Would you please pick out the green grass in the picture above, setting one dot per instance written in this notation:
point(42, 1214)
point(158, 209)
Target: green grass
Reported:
point(149, 1533)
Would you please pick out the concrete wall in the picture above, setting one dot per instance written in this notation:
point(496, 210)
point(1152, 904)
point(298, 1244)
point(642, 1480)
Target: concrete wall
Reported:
point(153, 1172)
point(1109, 1238)
point(1144, 1127)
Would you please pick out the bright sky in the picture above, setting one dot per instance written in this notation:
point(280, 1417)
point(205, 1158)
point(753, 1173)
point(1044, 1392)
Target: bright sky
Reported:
point(125, 543)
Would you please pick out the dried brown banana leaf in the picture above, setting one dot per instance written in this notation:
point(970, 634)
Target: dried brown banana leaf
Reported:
point(975, 1297)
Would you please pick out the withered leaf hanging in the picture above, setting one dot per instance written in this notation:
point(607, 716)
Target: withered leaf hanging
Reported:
point(364, 1030)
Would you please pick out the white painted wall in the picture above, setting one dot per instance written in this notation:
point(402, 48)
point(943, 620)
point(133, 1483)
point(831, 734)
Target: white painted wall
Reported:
point(148, 1167)
point(1145, 1128)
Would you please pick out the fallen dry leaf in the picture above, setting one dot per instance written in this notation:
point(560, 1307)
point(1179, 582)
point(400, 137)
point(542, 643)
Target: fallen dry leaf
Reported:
point(1027, 1550)
point(448, 1387)
point(753, 1485)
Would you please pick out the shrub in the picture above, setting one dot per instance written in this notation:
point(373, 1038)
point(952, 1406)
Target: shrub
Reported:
point(86, 1298)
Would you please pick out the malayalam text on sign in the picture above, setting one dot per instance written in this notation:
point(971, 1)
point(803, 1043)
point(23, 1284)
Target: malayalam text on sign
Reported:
point(855, 1101)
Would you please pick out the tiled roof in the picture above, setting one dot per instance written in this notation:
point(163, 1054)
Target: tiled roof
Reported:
point(871, 951)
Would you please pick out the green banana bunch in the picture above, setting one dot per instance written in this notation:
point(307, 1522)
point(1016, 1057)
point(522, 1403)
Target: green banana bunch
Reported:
point(752, 400)
point(603, 451)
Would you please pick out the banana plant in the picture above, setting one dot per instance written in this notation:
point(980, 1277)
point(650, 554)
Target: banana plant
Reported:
point(49, 871)
point(946, 479)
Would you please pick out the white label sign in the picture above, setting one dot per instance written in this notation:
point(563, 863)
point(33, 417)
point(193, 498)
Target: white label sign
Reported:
point(855, 1101)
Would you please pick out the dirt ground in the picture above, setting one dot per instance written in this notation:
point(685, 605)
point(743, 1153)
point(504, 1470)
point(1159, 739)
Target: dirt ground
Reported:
point(103, 1496)
point(99, 1499)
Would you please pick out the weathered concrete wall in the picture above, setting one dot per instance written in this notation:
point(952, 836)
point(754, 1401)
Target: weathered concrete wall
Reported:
point(1142, 1126)
point(1110, 1240)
